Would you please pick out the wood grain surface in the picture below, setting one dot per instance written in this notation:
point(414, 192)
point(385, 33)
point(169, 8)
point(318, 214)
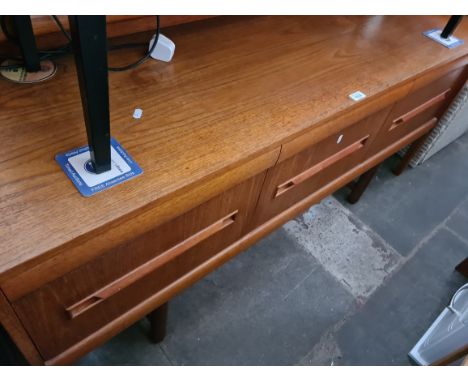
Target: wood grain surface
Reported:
point(77, 305)
point(238, 88)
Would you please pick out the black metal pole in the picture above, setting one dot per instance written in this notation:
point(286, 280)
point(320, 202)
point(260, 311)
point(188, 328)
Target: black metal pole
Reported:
point(90, 47)
point(452, 24)
point(27, 43)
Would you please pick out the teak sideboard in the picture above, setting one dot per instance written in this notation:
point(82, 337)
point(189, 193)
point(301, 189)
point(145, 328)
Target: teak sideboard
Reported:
point(248, 126)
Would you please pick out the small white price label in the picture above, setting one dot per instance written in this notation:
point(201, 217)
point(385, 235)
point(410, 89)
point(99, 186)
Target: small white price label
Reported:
point(137, 113)
point(357, 96)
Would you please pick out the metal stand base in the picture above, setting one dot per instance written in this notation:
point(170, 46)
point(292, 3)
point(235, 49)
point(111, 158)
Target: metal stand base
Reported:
point(22, 76)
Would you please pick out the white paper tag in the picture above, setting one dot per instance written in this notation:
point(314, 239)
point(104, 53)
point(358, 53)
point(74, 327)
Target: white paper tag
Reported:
point(137, 113)
point(357, 96)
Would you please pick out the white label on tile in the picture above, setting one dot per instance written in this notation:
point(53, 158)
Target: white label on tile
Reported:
point(449, 42)
point(118, 167)
point(357, 96)
point(77, 165)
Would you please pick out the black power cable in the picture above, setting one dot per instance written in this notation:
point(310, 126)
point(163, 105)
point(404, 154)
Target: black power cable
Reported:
point(43, 55)
point(122, 46)
point(62, 28)
point(144, 58)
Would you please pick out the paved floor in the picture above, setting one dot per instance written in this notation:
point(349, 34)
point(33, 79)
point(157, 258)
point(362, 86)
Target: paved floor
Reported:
point(339, 285)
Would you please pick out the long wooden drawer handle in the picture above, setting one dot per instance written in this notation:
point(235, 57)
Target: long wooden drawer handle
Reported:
point(417, 110)
point(148, 267)
point(429, 125)
point(303, 176)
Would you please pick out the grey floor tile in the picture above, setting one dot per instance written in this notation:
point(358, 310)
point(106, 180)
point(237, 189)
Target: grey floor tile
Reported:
point(458, 222)
point(325, 353)
point(396, 316)
point(405, 209)
point(272, 266)
point(463, 140)
point(346, 248)
point(131, 347)
point(269, 306)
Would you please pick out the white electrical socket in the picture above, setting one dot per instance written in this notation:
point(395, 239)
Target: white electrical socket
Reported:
point(164, 49)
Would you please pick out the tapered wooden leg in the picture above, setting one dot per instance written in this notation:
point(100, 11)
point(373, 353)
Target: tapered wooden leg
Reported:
point(158, 320)
point(414, 148)
point(358, 188)
point(463, 267)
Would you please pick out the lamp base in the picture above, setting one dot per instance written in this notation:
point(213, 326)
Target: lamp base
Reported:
point(18, 73)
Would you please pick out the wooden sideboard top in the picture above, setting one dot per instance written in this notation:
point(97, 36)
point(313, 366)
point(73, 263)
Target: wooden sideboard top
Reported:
point(237, 88)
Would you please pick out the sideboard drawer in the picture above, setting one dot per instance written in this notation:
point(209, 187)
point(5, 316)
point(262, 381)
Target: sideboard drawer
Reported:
point(313, 168)
point(417, 109)
point(69, 309)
